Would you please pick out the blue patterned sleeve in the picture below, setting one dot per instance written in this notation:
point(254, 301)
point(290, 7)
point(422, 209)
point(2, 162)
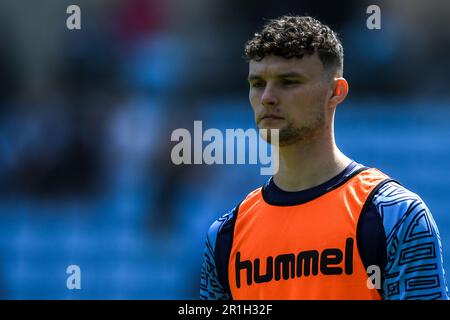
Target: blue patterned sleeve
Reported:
point(210, 285)
point(414, 268)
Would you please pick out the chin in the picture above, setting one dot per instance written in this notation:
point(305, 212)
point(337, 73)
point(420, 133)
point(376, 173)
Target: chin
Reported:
point(269, 126)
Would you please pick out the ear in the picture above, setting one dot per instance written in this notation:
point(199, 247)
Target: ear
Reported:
point(340, 91)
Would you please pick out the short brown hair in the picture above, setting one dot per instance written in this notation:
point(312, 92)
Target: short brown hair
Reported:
point(294, 36)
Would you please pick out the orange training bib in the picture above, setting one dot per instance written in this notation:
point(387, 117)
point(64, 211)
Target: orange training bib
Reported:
point(305, 251)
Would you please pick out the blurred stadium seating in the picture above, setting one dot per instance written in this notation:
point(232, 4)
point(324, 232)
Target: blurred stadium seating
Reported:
point(85, 123)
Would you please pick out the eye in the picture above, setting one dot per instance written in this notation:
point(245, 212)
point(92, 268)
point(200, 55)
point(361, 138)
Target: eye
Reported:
point(288, 82)
point(257, 84)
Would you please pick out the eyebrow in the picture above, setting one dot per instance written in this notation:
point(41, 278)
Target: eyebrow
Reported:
point(281, 75)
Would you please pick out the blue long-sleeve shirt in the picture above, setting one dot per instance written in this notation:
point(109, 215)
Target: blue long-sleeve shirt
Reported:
point(396, 232)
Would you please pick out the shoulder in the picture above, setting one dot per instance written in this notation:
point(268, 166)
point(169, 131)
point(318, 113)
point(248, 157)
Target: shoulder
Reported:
point(213, 276)
point(405, 216)
point(414, 268)
point(400, 208)
point(221, 224)
point(226, 221)
point(394, 193)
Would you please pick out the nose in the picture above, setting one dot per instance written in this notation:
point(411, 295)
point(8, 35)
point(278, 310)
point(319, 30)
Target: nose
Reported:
point(269, 97)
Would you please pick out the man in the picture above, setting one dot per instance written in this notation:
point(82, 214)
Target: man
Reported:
point(323, 222)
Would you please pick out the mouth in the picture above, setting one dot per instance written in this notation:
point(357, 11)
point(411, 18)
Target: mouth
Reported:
point(270, 117)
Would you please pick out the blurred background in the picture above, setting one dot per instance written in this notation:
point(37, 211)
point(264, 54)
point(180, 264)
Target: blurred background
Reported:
point(86, 117)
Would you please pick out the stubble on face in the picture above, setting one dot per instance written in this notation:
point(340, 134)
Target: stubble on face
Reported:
point(291, 133)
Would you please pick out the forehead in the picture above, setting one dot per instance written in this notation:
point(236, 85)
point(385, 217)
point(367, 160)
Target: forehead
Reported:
point(269, 66)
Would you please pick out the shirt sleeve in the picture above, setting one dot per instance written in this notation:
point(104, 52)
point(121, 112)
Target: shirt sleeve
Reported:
point(414, 268)
point(211, 287)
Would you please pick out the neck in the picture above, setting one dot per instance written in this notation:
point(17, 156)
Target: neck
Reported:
point(306, 165)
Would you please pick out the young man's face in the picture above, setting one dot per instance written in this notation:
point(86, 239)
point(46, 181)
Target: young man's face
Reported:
point(290, 95)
